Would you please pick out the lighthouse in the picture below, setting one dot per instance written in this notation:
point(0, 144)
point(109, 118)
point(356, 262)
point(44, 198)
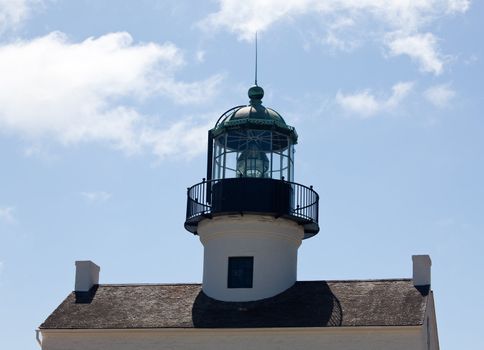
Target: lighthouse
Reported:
point(251, 217)
point(249, 214)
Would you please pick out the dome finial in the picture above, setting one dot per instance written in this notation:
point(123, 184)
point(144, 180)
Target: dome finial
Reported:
point(255, 94)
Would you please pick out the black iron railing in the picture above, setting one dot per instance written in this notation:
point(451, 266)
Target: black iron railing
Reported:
point(197, 201)
point(287, 199)
point(306, 202)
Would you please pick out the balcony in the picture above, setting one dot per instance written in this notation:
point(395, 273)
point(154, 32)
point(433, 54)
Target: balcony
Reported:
point(247, 195)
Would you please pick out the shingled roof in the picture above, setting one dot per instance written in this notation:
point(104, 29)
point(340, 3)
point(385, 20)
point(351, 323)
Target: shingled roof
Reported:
point(306, 304)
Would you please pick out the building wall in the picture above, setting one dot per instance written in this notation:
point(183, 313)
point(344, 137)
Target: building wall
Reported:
point(430, 326)
point(272, 242)
point(361, 338)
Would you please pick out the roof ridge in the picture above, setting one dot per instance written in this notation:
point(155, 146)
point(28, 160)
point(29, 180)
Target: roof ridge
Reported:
point(305, 281)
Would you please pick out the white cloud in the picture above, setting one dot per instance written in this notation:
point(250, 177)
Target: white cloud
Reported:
point(365, 104)
point(13, 12)
point(73, 92)
point(347, 22)
point(2, 266)
point(471, 59)
point(399, 92)
point(200, 56)
point(40, 152)
point(7, 214)
point(458, 5)
point(421, 48)
point(247, 17)
point(440, 95)
point(96, 197)
point(342, 34)
point(184, 138)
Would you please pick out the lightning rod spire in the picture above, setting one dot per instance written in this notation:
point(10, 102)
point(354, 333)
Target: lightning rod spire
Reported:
point(255, 92)
point(256, 59)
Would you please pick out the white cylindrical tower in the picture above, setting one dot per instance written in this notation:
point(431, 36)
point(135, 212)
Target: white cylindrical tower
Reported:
point(249, 257)
point(250, 216)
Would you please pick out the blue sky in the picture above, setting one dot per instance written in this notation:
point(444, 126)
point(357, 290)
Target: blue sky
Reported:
point(104, 108)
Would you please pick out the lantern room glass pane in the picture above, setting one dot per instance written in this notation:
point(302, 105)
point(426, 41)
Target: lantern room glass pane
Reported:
point(230, 164)
point(253, 153)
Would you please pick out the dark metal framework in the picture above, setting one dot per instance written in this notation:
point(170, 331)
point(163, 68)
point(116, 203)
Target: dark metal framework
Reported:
point(236, 152)
point(279, 198)
point(251, 141)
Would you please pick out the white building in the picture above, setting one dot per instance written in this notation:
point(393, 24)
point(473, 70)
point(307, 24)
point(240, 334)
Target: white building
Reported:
point(251, 219)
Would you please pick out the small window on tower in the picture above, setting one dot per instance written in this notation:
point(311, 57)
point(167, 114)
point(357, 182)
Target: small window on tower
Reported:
point(241, 272)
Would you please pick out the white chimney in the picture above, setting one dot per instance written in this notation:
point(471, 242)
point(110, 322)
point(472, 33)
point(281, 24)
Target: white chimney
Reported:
point(421, 270)
point(87, 275)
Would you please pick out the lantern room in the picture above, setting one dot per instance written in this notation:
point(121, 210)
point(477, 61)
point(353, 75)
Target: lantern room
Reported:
point(251, 141)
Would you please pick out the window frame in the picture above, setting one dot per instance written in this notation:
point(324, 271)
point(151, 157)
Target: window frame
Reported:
point(240, 272)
